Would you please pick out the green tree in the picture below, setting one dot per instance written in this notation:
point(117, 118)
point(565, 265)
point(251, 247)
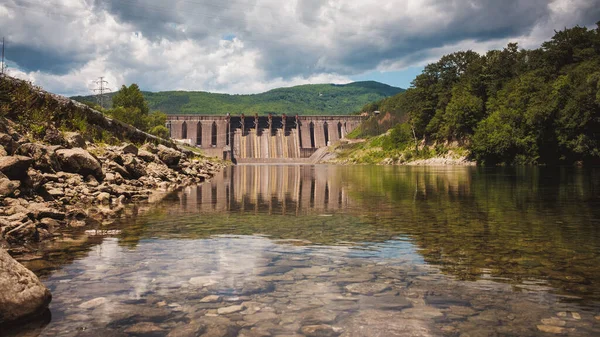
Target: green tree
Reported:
point(462, 114)
point(130, 97)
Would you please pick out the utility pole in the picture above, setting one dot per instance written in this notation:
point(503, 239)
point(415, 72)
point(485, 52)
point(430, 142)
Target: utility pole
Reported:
point(3, 66)
point(101, 89)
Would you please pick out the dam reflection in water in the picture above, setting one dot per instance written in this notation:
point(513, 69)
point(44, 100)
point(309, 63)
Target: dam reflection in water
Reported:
point(269, 189)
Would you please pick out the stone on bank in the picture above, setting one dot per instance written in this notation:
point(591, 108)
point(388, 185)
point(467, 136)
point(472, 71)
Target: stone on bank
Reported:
point(23, 294)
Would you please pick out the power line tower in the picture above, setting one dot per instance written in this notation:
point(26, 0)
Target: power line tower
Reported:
point(3, 65)
point(100, 90)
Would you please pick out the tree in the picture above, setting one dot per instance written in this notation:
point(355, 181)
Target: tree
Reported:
point(462, 114)
point(129, 106)
point(130, 97)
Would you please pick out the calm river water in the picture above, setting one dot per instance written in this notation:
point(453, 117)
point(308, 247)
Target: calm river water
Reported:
point(341, 251)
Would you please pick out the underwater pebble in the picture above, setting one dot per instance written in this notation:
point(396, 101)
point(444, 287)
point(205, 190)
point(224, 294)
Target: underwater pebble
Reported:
point(550, 329)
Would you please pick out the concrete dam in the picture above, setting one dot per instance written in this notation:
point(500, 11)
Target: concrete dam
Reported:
point(261, 139)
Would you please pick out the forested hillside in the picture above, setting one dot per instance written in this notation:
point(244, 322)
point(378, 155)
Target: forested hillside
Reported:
point(511, 106)
point(311, 99)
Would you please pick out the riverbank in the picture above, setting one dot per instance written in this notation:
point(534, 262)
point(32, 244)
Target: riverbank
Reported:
point(65, 167)
point(372, 152)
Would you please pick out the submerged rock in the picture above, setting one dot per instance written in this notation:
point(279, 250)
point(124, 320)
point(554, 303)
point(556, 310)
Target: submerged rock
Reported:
point(22, 294)
point(230, 309)
point(321, 330)
point(367, 288)
point(145, 329)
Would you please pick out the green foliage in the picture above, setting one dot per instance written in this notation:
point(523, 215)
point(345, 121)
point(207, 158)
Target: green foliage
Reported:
point(129, 115)
point(130, 97)
point(400, 137)
point(510, 106)
point(160, 131)
point(130, 107)
point(311, 99)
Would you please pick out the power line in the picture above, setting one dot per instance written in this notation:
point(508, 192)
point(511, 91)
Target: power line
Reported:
point(101, 89)
point(3, 66)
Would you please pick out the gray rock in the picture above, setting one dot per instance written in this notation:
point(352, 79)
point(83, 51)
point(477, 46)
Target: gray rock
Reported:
point(150, 148)
point(210, 299)
point(147, 156)
point(218, 327)
point(117, 168)
point(168, 156)
point(129, 148)
point(42, 210)
point(74, 139)
point(44, 157)
point(191, 329)
point(145, 329)
point(445, 301)
point(367, 288)
point(384, 323)
point(21, 232)
point(321, 330)
point(8, 187)
point(49, 224)
point(230, 309)
point(159, 171)
point(22, 292)
point(15, 167)
point(8, 143)
point(134, 167)
point(35, 179)
point(55, 137)
point(78, 160)
point(103, 198)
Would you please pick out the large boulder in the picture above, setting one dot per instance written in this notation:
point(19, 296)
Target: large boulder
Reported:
point(15, 167)
point(168, 155)
point(78, 160)
point(44, 157)
point(22, 294)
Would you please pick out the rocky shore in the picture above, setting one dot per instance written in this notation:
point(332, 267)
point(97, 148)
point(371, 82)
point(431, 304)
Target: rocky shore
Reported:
point(54, 180)
point(68, 183)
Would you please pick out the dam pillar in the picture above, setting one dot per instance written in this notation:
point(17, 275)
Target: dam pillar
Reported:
point(222, 133)
point(334, 134)
point(176, 127)
point(206, 134)
point(192, 131)
point(320, 134)
point(305, 134)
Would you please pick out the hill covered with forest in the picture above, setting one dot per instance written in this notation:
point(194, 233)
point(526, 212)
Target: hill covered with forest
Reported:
point(310, 99)
point(510, 106)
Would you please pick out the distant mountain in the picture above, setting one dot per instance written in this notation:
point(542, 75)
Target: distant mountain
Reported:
point(310, 99)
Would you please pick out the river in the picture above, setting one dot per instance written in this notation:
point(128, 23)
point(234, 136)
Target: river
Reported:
point(340, 251)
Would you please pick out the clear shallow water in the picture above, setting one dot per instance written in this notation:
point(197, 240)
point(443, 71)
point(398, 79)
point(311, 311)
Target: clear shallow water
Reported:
point(350, 251)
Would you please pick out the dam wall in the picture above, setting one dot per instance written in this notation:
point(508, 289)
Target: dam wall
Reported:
point(261, 139)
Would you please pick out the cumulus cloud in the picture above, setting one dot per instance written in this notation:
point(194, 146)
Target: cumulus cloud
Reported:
point(244, 46)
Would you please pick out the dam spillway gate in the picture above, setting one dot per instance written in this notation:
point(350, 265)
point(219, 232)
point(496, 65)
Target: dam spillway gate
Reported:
point(261, 139)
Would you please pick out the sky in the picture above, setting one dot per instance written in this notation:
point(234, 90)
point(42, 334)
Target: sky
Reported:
point(251, 46)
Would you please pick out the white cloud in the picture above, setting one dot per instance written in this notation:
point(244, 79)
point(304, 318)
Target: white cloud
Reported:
point(63, 45)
